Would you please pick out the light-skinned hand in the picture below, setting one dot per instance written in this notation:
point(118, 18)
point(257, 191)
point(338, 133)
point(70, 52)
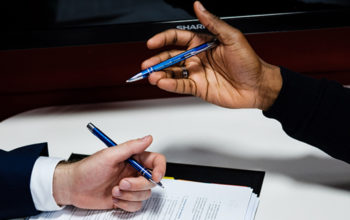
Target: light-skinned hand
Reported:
point(105, 181)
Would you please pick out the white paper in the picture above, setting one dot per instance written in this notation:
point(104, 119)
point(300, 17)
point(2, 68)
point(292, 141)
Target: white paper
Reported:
point(179, 200)
point(252, 207)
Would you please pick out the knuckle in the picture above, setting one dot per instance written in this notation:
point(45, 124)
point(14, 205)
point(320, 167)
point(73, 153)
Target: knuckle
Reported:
point(237, 35)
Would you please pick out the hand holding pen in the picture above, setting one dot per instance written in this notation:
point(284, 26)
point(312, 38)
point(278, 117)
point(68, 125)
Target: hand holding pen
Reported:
point(173, 60)
point(110, 143)
point(230, 74)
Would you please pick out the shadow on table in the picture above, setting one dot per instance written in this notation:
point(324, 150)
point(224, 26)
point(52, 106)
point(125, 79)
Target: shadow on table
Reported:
point(311, 169)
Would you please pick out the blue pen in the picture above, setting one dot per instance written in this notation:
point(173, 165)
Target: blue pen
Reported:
point(169, 62)
point(105, 139)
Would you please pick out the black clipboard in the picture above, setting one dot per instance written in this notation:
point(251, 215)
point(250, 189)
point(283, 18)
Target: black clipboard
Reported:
point(208, 174)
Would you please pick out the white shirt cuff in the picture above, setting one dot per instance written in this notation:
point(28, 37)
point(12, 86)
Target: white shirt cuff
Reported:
point(41, 182)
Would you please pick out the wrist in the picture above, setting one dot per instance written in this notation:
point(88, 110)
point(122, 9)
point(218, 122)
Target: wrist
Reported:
point(62, 183)
point(270, 86)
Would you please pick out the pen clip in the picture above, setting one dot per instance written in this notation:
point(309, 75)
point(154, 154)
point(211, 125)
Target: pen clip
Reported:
point(189, 55)
point(209, 45)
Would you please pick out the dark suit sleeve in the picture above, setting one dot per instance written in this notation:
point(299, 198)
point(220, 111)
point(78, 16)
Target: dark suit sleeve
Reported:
point(15, 172)
point(315, 111)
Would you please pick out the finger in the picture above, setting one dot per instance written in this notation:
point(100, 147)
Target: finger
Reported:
point(181, 86)
point(134, 196)
point(156, 162)
point(127, 205)
point(171, 37)
point(127, 149)
point(156, 76)
point(135, 184)
point(169, 72)
point(161, 57)
point(174, 72)
point(224, 32)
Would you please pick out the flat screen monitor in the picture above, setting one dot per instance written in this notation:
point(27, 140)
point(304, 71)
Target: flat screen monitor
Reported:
point(54, 23)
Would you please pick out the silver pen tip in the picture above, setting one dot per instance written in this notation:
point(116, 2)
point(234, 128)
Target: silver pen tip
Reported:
point(132, 80)
point(159, 184)
point(135, 78)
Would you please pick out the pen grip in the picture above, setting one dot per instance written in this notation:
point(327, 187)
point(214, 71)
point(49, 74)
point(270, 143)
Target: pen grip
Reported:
point(144, 172)
point(180, 57)
point(110, 143)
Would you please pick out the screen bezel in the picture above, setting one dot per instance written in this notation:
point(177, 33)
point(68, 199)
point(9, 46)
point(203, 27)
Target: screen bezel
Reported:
point(117, 33)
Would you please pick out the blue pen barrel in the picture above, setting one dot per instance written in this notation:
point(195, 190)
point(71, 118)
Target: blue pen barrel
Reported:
point(178, 58)
point(103, 137)
point(144, 172)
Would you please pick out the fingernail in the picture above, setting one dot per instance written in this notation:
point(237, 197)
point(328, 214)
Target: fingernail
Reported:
point(200, 6)
point(124, 185)
point(144, 138)
point(116, 193)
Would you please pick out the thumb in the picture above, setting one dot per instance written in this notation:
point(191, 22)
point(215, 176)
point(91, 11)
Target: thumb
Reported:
point(224, 32)
point(125, 150)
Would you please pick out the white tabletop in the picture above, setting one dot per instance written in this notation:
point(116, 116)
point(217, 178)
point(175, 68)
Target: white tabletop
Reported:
point(301, 181)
